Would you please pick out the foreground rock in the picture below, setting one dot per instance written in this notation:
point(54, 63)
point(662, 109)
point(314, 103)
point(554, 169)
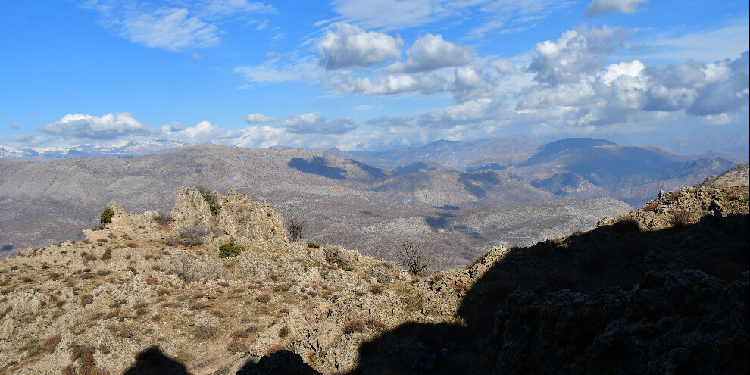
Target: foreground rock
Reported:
point(651, 291)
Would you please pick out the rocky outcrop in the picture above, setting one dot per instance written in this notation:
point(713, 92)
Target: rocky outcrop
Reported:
point(739, 175)
point(236, 213)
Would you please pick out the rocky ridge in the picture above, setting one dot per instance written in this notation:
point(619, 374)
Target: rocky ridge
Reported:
point(651, 290)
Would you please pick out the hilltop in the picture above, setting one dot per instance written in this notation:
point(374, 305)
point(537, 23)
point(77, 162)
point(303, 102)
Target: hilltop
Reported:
point(662, 288)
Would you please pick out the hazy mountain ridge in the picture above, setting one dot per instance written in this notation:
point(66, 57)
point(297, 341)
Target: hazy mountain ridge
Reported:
point(43, 203)
point(126, 149)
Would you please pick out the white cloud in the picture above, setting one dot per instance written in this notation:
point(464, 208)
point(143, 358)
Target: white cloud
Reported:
point(278, 69)
point(720, 119)
point(257, 118)
point(203, 132)
point(389, 14)
point(393, 84)
point(224, 8)
point(431, 52)
point(604, 7)
point(351, 46)
point(170, 29)
point(13, 125)
point(392, 121)
point(481, 110)
point(311, 123)
point(578, 52)
point(109, 126)
point(705, 45)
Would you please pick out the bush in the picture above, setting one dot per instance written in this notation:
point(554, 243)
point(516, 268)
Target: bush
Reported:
point(313, 245)
point(163, 220)
point(626, 224)
point(230, 249)
point(413, 256)
point(191, 235)
point(681, 218)
point(106, 217)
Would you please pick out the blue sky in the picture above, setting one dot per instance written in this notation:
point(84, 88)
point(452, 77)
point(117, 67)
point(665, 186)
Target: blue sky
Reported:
point(368, 74)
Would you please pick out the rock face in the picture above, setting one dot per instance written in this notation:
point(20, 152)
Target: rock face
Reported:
point(236, 213)
point(739, 175)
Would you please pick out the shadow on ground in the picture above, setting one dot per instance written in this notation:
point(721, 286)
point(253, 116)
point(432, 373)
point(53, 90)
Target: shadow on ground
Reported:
point(614, 300)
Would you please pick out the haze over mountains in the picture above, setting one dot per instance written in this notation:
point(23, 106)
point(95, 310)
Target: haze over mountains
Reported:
point(459, 198)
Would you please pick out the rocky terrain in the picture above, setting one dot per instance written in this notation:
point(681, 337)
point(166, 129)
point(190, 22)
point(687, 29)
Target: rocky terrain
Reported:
point(662, 289)
point(343, 202)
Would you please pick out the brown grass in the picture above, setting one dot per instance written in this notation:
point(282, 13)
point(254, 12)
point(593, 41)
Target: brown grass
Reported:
point(354, 325)
point(274, 348)
point(680, 218)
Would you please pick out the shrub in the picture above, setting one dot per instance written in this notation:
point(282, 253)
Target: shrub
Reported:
point(230, 249)
point(265, 297)
point(163, 220)
point(354, 325)
point(313, 245)
point(680, 218)
point(296, 226)
point(106, 216)
point(626, 224)
point(413, 256)
point(204, 332)
point(284, 332)
point(190, 235)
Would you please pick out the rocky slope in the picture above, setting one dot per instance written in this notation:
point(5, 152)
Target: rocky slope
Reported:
point(661, 289)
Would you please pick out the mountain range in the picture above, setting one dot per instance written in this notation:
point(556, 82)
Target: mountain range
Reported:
point(459, 198)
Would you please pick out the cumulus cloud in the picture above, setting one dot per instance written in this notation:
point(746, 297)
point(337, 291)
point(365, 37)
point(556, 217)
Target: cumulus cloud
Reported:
point(169, 28)
point(257, 118)
point(203, 132)
point(605, 7)
point(393, 84)
point(13, 125)
point(578, 52)
point(351, 46)
point(109, 126)
point(311, 123)
point(430, 52)
point(482, 110)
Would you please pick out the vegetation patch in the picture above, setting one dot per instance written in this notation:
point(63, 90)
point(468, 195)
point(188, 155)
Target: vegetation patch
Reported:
point(230, 249)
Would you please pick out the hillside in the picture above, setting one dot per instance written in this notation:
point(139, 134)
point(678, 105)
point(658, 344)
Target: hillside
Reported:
point(344, 202)
point(664, 287)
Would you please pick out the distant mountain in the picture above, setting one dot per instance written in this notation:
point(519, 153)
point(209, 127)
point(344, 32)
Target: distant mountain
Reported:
point(126, 149)
point(343, 201)
point(455, 154)
point(587, 168)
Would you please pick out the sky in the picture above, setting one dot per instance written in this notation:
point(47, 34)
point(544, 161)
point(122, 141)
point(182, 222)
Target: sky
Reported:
point(368, 75)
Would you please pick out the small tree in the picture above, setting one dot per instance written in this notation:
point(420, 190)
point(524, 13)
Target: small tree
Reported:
point(413, 257)
point(230, 249)
point(106, 217)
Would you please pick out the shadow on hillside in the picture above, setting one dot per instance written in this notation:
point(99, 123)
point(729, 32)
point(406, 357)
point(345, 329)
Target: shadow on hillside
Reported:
point(608, 259)
point(565, 297)
point(319, 166)
point(153, 361)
